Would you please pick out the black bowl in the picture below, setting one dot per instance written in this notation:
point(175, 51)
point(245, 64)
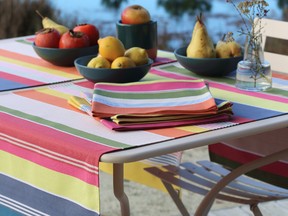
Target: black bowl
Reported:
point(119, 75)
point(64, 57)
point(207, 66)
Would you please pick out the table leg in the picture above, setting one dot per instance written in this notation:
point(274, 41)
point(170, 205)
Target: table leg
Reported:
point(118, 186)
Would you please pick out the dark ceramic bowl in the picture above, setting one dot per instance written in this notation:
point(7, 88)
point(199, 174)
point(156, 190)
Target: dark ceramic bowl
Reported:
point(207, 66)
point(122, 75)
point(64, 57)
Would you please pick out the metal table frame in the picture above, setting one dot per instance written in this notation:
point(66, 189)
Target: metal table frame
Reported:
point(118, 158)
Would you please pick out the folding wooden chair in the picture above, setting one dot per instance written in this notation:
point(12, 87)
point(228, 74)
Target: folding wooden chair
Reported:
point(225, 179)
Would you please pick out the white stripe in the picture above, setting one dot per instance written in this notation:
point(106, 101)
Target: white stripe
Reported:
point(164, 102)
point(20, 207)
point(21, 48)
point(76, 120)
point(49, 192)
point(50, 154)
point(30, 73)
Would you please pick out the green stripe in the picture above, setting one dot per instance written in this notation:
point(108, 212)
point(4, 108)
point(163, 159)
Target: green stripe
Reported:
point(24, 41)
point(183, 71)
point(64, 128)
point(151, 95)
point(223, 80)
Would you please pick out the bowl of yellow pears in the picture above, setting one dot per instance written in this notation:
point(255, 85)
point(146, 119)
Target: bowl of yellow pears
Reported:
point(204, 58)
point(113, 63)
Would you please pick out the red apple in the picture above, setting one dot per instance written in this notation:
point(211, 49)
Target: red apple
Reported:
point(73, 39)
point(135, 14)
point(90, 30)
point(47, 37)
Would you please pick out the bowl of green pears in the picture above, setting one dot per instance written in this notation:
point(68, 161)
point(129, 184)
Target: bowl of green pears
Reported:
point(204, 58)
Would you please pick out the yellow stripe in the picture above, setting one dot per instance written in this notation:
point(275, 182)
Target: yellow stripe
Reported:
point(193, 129)
point(253, 101)
point(43, 69)
point(51, 181)
point(165, 54)
point(55, 93)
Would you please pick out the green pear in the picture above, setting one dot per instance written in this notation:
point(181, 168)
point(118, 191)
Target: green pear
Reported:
point(201, 45)
point(49, 23)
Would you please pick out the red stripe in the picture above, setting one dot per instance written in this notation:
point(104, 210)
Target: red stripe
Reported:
point(49, 163)
point(243, 157)
point(170, 75)
point(226, 87)
point(147, 87)
point(250, 93)
point(280, 75)
point(56, 141)
point(85, 84)
point(18, 79)
point(37, 61)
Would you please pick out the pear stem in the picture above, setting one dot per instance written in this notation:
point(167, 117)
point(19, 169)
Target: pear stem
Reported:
point(39, 14)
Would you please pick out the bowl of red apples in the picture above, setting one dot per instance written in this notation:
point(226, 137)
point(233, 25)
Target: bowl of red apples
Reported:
point(62, 49)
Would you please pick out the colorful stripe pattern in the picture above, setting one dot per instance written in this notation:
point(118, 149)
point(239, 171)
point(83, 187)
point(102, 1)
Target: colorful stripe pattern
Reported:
point(275, 101)
point(22, 68)
point(48, 147)
point(150, 98)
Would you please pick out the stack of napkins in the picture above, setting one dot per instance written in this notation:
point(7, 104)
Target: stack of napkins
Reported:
point(157, 104)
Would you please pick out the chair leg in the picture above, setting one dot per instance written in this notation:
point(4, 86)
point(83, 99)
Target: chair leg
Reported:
point(208, 200)
point(175, 196)
point(255, 209)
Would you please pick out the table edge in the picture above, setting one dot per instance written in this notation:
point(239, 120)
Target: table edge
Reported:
point(194, 141)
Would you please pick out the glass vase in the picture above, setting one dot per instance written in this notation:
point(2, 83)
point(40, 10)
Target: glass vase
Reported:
point(254, 72)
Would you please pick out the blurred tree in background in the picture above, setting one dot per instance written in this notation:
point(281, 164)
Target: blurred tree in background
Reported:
point(18, 17)
point(177, 8)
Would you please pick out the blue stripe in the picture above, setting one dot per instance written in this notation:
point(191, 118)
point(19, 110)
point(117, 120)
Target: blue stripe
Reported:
point(40, 200)
point(4, 211)
point(9, 85)
point(253, 113)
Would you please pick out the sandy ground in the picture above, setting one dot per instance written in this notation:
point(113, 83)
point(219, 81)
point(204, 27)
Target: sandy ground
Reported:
point(148, 201)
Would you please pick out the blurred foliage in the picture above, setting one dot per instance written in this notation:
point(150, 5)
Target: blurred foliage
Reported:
point(282, 3)
point(18, 17)
point(178, 8)
point(115, 4)
point(175, 8)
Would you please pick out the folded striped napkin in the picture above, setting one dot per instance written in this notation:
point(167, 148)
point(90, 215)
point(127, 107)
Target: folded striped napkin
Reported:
point(153, 97)
point(156, 104)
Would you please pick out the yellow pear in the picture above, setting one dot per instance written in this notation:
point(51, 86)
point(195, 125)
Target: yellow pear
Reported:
point(49, 23)
point(227, 47)
point(201, 45)
point(99, 62)
point(222, 48)
point(138, 55)
point(235, 49)
point(122, 62)
point(111, 48)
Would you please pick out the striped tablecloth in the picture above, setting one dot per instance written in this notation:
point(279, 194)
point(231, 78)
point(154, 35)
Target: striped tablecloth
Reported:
point(49, 151)
point(21, 67)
